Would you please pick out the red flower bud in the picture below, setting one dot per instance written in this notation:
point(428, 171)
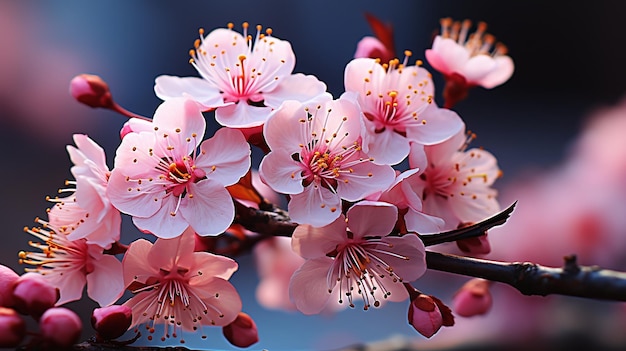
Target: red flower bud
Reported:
point(91, 90)
point(473, 298)
point(60, 328)
point(7, 279)
point(242, 332)
point(424, 315)
point(33, 294)
point(111, 322)
point(12, 328)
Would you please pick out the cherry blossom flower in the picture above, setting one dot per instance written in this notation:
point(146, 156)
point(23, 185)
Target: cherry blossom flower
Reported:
point(456, 184)
point(356, 255)
point(316, 157)
point(70, 264)
point(87, 212)
point(243, 79)
point(177, 287)
point(471, 56)
point(393, 97)
point(166, 184)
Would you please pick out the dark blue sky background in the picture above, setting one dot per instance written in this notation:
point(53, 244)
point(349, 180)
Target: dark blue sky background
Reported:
point(569, 60)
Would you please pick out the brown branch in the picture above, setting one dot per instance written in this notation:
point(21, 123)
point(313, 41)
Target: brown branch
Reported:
point(533, 279)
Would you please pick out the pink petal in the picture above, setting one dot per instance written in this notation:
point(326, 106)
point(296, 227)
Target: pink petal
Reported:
point(299, 87)
point(360, 184)
point(439, 124)
point(308, 288)
point(212, 266)
point(281, 173)
point(106, 283)
point(88, 150)
point(198, 89)
point(410, 247)
point(388, 147)
point(443, 151)
point(183, 123)
point(223, 299)
point(449, 56)
point(162, 223)
point(477, 68)
point(314, 206)
point(133, 155)
point(422, 223)
point(211, 210)
point(133, 202)
point(242, 115)
point(70, 285)
point(136, 264)
point(314, 242)
point(367, 46)
point(170, 254)
point(370, 218)
point(417, 157)
point(357, 70)
point(501, 74)
point(280, 130)
point(227, 151)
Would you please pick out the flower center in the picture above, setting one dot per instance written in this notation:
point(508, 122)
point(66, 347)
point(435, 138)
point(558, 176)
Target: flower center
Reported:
point(359, 269)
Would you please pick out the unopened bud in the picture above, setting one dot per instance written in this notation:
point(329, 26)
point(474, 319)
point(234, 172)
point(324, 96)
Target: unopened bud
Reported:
point(476, 246)
point(242, 332)
point(12, 328)
point(91, 90)
point(111, 322)
point(473, 298)
point(33, 294)
point(7, 280)
point(60, 328)
point(424, 315)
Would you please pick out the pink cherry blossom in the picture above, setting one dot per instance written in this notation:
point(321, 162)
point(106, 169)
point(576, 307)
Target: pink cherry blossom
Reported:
point(357, 256)
point(372, 47)
point(393, 97)
point(177, 287)
point(70, 264)
point(244, 79)
point(456, 51)
point(166, 184)
point(316, 157)
point(87, 213)
point(456, 184)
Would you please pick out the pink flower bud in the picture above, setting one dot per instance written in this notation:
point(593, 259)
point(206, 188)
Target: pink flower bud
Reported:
point(12, 328)
point(33, 294)
point(424, 315)
point(91, 90)
point(473, 298)
point(242, 332)
point(111, 322)
point(476, 246)
point(60, 328)
point(7, 279)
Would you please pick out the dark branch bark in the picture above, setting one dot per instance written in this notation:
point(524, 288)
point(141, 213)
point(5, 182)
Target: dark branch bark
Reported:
point(533, 279)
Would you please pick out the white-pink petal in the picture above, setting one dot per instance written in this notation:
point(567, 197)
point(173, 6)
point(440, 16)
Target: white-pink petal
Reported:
point(316, 206)
point(314, 242)
point(308, 287)
point(105, 284)
point(281, 173)
point(211, 210)
point(225, 157)
point(169, 87)
point(371, 218)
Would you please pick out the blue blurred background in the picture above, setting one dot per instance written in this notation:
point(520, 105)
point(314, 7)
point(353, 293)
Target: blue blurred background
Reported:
point(569, 60)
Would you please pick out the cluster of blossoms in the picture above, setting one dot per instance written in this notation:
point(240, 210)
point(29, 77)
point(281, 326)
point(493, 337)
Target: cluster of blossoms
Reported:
point(367, 175)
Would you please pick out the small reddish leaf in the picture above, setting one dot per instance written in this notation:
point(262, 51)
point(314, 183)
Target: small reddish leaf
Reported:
point(244, 190)
point(382, 31)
